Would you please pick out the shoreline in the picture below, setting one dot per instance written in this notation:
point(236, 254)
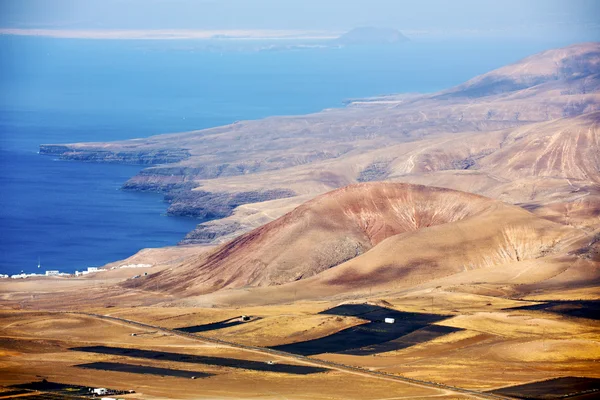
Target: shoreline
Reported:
point(172, 34)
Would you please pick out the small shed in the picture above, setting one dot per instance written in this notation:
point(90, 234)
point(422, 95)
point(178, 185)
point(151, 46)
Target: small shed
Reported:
point(389, 320)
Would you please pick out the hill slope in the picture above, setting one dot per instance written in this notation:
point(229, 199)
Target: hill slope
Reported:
point(376, 233)
point(577, 65)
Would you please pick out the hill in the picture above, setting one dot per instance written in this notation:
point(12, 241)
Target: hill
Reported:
point(578, 65)
point(371, 234)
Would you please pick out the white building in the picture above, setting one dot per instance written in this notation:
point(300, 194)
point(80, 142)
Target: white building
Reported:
point(93, 269)
point(52, 273)
point(24, 276)
point(389, 320)
point(100, 391)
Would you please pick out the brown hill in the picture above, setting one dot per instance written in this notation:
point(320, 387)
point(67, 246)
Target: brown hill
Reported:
point(574, 64)
point(386, 230)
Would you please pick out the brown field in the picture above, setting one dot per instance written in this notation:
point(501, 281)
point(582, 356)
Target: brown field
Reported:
point(491, 346)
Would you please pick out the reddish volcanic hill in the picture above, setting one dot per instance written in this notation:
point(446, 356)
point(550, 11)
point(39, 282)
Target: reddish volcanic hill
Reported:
point(337, 227)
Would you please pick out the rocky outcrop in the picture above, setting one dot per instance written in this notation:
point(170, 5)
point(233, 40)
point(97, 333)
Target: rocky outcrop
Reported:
point(138, 157)
point(54, 149)
point(210, 233)
point(207, 206)
point(376, 171)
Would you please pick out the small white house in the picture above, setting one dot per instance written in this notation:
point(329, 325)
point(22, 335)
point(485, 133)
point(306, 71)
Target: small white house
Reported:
point(93, 269)
point(389, 320)
point(52, 273)
point(100, 391)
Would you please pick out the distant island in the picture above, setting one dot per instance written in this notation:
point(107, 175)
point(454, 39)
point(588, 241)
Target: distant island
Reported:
point(372, 36)
point(364, 36)
point(356, 36)
point(173, 34)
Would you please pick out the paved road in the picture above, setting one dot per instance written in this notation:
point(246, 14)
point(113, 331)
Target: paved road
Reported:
point(303, 359)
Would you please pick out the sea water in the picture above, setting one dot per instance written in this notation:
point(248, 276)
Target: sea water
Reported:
point(72, 215)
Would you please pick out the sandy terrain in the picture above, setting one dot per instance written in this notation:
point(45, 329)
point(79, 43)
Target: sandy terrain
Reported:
point(31, 351)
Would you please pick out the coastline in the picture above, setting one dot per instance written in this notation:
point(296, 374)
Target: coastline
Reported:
point(173, 34)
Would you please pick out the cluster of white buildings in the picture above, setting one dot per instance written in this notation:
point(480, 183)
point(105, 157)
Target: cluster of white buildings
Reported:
point(90, 270)
point(23, 275)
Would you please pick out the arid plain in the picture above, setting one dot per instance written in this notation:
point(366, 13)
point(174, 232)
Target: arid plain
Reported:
point(410, 246)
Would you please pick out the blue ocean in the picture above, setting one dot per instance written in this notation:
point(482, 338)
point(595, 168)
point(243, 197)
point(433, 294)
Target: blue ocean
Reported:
point(73, 215)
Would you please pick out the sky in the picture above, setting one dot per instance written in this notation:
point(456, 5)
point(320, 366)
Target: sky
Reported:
point(509, 17)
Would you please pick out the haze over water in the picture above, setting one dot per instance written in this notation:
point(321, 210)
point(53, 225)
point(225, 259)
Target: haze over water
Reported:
point(73, 215)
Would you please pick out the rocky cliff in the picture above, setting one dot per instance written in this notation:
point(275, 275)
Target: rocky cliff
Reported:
point(138, 157)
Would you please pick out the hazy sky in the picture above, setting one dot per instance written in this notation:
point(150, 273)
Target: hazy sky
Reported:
point(554, 17)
